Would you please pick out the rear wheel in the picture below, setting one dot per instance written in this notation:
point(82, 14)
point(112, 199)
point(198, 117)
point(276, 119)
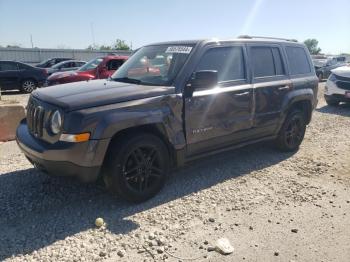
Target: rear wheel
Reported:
point(28, 86)
point(292, 132)
point(320, 77)
point(136, 167)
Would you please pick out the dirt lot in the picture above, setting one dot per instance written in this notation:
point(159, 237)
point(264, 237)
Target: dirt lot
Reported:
point(271, 206)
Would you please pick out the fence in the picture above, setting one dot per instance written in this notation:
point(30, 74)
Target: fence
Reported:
point(36, 55)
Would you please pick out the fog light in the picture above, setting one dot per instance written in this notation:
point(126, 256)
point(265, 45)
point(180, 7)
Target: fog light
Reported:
point(75, 138)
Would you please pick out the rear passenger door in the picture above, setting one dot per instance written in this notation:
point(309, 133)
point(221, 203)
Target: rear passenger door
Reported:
point(9, 75)
point(214, 117)
point(271, 85)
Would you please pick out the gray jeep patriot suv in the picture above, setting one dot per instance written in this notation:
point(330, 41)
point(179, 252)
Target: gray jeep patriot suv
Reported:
point(168, 104)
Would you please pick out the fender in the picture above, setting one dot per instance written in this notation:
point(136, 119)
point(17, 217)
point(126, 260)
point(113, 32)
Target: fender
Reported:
point(292, 98)
point(295, 96)
point(165, 113)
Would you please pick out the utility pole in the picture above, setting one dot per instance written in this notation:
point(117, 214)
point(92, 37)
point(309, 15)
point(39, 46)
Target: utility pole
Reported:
point(31, 40)
point(92, 34)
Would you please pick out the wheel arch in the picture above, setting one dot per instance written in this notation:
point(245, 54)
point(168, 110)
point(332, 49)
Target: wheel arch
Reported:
point(156, 129)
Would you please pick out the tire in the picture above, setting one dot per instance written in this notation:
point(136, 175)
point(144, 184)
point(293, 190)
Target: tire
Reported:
point(332, 102)
point(28, 85)
point(292, 131)
point(136, 167)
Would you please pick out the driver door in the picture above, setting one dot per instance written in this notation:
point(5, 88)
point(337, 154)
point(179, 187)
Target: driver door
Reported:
point(216, 117)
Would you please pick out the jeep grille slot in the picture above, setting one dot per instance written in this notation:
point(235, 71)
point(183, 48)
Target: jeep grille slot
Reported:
point(35, 119)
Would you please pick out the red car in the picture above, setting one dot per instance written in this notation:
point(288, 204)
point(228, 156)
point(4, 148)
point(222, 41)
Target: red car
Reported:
point(99, 68)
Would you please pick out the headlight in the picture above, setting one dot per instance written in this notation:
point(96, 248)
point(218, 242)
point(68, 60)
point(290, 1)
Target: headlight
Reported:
point(56, 122)
point(332, 78)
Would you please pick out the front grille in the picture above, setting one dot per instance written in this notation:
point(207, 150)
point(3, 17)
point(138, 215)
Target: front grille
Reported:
point(343, 82)
point(35, 118)
point(343, 85)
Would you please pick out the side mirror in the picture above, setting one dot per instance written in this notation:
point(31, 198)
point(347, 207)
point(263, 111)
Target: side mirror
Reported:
point(204, 79)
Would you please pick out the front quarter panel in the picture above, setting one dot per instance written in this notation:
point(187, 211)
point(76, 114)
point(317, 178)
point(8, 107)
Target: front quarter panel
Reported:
point(106, 121)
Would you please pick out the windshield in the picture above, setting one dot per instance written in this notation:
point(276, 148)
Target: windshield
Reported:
point(154, 65)
point(91, 65)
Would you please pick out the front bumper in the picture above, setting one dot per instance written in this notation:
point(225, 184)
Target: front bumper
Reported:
point(82, 160)
point(337, 97)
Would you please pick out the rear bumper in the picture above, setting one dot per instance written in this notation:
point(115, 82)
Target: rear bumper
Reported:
point(82, 160)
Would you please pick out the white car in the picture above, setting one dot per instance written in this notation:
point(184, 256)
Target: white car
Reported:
point(338, 86)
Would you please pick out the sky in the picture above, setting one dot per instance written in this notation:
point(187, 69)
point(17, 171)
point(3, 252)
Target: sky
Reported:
point(79, 23)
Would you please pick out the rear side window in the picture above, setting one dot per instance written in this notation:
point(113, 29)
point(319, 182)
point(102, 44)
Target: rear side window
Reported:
point(227, 61)
point(298, 62)
point(8, 66)
point(267, 61)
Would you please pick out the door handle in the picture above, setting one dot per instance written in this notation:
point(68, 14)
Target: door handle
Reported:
point(242, 94)
point(283, 88)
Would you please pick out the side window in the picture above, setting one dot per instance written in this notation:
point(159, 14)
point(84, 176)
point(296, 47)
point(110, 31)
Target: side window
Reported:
point(263, 64)
point(114, 64)
point(298, 62)
point(8, 66)
point(227, 61)
point(279, 68)
point(267, 61)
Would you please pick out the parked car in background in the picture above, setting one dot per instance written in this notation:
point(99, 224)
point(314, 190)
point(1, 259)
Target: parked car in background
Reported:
point(202, 97)
point(323, 66)
point(68, 65)
point(16, 75)
point(51, 62)
point(338, 86)
point(98, 68)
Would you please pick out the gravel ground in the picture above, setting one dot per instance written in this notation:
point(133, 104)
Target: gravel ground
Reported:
point(271, 206)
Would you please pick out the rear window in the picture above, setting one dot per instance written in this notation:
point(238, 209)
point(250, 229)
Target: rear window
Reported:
point(298, 61)
point(227, 61)
point(267, 61)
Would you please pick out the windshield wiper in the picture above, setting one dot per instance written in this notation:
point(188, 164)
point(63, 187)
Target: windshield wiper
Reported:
point(127, 80)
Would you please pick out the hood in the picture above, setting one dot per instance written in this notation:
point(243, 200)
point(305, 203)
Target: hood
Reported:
point(85, 94)
point(57, 75)
point(343, 71)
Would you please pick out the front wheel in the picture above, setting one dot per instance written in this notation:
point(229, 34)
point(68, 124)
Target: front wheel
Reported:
point(292, 132)
point(331, 102)
point(136, 167)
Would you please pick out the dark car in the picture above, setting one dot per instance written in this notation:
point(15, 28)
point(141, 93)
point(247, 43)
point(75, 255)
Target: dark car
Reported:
point(323, 67)
point(69, 65)
point(51, 62)
point(203, 97)
point(16, 75)
point(98, 68)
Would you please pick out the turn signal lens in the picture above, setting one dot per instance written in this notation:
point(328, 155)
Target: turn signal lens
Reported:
point(75, 138)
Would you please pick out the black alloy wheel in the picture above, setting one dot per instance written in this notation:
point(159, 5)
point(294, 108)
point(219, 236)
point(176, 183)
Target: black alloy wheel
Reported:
point(292, 131)
point(136, 167)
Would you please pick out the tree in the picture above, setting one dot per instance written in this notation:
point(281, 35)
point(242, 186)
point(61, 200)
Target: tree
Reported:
point(121, 45)
point(312, 45)
point(105, 47)
point(117, 45)
point(14, 46)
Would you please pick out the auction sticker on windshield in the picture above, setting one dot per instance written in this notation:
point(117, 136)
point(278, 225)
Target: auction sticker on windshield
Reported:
point(179, 49)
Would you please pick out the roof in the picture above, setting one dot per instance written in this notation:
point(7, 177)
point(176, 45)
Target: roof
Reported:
point(240, 39)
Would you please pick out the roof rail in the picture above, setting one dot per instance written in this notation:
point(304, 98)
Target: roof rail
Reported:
point(265, 37)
